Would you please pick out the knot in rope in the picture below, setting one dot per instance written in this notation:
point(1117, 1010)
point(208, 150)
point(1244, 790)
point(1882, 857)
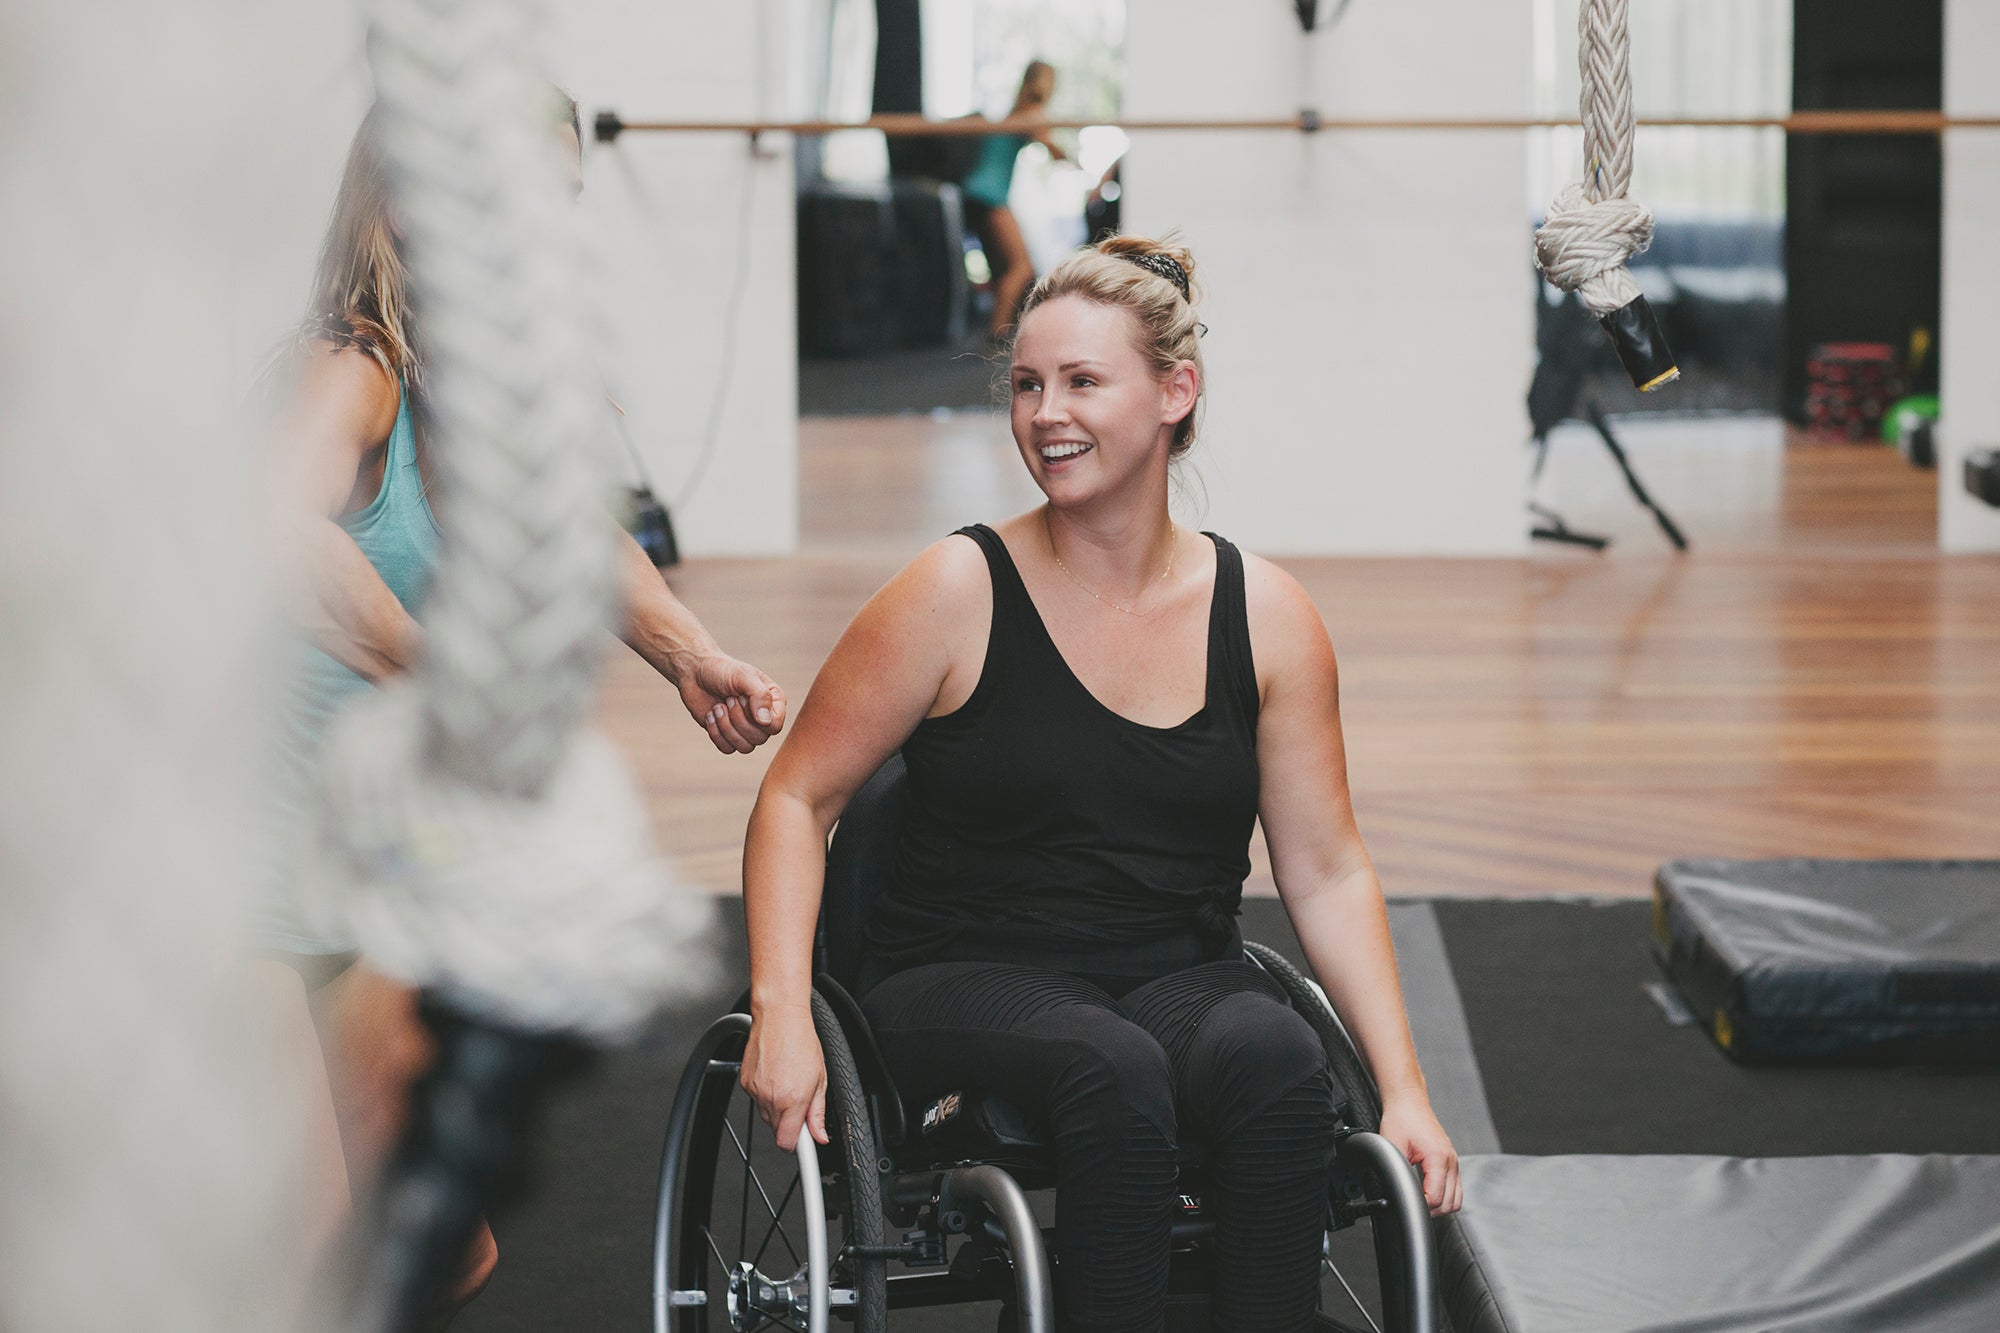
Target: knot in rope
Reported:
point(547, 912)
point(1584, 245)
point(1593, 228)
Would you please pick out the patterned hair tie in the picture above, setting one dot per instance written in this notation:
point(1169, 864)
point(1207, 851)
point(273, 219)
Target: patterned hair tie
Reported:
point(1165, 266)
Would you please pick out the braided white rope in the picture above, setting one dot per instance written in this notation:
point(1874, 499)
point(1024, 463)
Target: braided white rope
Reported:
point(1593, 228)
point(479, 842)
point(524, 592)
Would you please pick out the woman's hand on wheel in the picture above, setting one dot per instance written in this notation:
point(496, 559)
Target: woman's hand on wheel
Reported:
point(1414, 1129)
point(785, 1073)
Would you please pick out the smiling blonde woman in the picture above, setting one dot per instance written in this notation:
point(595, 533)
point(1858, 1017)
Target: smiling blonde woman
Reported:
point(1096, 707)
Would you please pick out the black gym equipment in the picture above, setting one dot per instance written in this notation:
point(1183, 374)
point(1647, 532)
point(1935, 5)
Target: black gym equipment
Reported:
point(948, 1206)
point(653, 528)
point(645, 517)
point(1820, 961)
point(1916, 440)
point(1982, 475)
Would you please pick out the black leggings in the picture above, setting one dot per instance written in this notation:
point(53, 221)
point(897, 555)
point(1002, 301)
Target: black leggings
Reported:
point(1213, 1054)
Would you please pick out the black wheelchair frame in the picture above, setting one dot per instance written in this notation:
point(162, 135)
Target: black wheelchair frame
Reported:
point(960, 1167)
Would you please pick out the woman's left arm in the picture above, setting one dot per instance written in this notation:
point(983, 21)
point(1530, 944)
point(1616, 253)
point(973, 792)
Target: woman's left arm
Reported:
point(1322, 869)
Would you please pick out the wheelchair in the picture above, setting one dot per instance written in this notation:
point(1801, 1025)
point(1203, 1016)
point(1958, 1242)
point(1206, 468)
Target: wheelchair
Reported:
point(742, 1231)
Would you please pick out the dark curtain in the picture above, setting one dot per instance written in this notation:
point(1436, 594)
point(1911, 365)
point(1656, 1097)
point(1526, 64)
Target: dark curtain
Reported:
point(1863, 223)
point(899, 84)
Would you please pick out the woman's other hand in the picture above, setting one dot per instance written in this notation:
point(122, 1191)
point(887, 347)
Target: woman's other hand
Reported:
point(736, 704)
point(785, 1073)
point(1415, 1131)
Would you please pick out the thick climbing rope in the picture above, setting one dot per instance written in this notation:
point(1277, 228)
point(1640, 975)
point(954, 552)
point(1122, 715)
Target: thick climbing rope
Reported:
point(480, 843)
point(1594, 227)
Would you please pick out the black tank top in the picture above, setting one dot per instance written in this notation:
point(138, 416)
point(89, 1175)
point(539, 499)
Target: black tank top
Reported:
point(1043, 828)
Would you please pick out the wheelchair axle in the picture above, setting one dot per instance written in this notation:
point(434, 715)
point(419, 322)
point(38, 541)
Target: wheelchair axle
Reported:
point(754, 1300)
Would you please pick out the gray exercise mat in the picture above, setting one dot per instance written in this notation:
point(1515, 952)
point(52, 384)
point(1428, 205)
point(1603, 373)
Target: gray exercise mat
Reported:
point(1437, 1023)
point(1598, 1244)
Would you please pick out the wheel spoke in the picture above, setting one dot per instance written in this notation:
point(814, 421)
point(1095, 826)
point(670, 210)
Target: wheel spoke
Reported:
point(716, 1250)
point(765, 1244)
point(783, 1235)
point(750, 1177)
point(743, 1218)
point(1350, 1294)
point(741, 1151)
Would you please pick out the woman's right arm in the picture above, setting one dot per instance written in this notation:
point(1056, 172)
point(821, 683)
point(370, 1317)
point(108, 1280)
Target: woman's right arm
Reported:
point(342, 409)
point(905, 652)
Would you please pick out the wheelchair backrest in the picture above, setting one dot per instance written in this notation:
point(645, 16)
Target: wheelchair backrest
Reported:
point(857, 869)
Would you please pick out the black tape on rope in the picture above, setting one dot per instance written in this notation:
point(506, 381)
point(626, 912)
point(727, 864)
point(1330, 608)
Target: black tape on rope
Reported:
point(1642, 349)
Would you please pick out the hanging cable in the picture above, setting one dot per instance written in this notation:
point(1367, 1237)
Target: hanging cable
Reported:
point(725, 373)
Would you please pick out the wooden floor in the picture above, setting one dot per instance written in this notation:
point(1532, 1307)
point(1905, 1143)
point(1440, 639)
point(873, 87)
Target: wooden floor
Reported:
point(1556, 724)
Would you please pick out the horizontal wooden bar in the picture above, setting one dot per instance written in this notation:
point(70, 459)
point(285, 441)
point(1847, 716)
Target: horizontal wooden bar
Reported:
point(610, 125)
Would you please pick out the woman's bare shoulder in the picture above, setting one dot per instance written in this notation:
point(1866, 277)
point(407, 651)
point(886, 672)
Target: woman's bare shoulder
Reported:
point(345, 384)
point(1286, 631)
point(944, 581)
point(904, 646)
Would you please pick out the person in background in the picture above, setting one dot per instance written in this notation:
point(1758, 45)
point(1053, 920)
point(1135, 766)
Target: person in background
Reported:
point(355, 480)
point(985, 188)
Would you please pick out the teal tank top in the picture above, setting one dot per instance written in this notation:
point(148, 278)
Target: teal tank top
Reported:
point(399, 535)
point(992, 176)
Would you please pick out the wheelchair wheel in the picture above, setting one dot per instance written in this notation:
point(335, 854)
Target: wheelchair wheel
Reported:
point(1369, 1167)
point(733, 1235)
point(1355, 1094)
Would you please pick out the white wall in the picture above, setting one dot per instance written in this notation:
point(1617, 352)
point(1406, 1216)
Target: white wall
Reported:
point(321, 98)
point(670, 210)
point(1370, 294)
point(1969, 328)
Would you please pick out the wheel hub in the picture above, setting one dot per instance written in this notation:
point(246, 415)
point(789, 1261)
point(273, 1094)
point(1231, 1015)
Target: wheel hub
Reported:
point(754, 1298)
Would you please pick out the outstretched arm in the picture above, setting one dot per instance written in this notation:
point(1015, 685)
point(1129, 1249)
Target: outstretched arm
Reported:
point(889, 670)
point(736, 704)
point(1323, 872)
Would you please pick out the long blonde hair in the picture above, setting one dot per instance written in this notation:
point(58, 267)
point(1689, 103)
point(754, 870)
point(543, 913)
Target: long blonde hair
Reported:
point(361, 289)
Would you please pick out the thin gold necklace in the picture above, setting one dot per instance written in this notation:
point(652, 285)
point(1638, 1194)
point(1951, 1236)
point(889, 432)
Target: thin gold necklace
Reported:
point(1173, 549)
